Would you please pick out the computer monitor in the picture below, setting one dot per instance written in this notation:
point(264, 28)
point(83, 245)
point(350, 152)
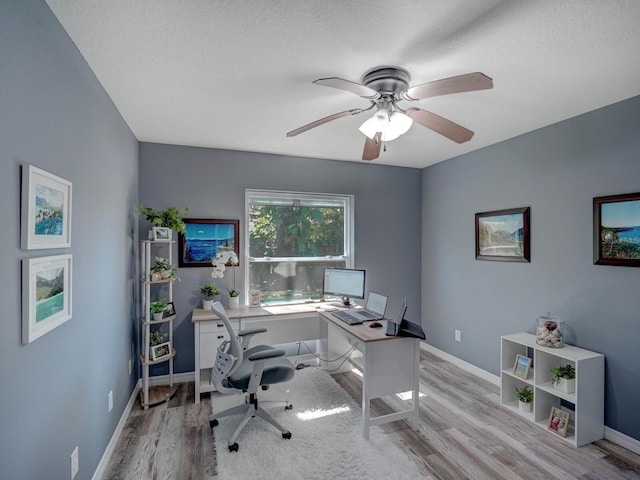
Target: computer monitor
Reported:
point(344, 282)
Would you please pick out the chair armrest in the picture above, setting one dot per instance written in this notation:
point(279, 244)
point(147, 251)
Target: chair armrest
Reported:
point(264, 354)
point(251, 331)
point(246, 334)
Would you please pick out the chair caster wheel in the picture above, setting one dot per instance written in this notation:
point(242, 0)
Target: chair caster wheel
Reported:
point(288, 407)
point(287, 435)
point(213, 423)
point(234, 447)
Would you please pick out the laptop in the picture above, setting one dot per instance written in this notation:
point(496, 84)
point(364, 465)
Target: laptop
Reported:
point(373, 310)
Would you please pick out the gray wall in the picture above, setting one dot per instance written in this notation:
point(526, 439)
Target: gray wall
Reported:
point(557, 171)
point(56, 116)
point(212, 184)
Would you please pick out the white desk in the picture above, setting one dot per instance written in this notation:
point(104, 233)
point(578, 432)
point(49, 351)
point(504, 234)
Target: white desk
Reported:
point(390, 364)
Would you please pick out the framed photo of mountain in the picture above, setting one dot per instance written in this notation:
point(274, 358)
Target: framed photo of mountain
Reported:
point(503, 235)
point(46, 210)
point(616, 230)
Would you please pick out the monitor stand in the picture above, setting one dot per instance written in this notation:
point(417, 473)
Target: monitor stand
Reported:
point(345, 303)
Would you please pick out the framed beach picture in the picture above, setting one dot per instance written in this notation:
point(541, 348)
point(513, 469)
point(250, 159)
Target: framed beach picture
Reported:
point(46, 295)
point(46, 210)
point(503, 235)
point(616, 230)
point(522, 366)
point(559, 421)
point(203, 238)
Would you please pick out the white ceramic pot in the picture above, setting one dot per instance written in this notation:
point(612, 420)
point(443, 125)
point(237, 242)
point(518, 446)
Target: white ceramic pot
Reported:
point(567, 386)
point(157, 316)
point(234, 302)
point(206, 304)
point(525, 407)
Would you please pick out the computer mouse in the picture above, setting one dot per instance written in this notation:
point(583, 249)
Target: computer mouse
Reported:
point(375, 324)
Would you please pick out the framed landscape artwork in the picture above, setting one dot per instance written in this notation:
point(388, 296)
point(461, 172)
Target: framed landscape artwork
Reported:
point(503, 235)
point(46, 210)
point(46, 295)
point(203, 238)
point(616, 230)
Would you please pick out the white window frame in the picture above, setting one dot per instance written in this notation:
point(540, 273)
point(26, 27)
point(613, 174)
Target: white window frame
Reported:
point(349, 227)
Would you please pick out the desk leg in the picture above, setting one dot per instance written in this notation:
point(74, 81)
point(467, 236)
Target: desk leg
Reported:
point(416, 384)
point(366, 393)
point(196, 346)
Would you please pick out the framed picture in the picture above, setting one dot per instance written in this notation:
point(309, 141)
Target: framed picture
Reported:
point(170, 310)
point(503, 235)
point(203, 238)
point(160, 351)
point(46, 295)
point(559, 421)
point(616, 230)
point(46, 210)
point(254, 298)
point(162, 234)
point(522, 366)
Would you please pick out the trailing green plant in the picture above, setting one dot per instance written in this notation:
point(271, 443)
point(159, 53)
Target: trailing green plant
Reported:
point(209, 290)
point(158, 306)
point(172, 217)
point(156, 337)
point(563, 371)
point(524, 394)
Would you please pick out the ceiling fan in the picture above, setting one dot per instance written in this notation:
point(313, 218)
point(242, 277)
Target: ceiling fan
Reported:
point(384, 87)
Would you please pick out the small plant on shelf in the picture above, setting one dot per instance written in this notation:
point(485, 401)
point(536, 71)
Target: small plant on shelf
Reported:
point(170, 218)
point(156, 337)
point(524, 394)
point(165, 269)
point(563, 371)
point(157, 308)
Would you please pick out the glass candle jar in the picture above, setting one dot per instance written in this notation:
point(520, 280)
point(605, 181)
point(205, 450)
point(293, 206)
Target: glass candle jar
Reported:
point(550, 331)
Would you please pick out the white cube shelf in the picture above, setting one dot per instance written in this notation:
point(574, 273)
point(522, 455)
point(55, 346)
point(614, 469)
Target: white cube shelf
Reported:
point(587, 416)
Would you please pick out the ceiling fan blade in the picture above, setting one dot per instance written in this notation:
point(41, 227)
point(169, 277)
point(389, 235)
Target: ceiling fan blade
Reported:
point(348, 86)
point(441, 125)
point(461, 83)
point(372, 147)
point(322, 121)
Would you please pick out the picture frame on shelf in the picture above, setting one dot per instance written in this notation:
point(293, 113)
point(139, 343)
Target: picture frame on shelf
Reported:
point(170, 310)
point(46, 210)
point(158, 352)
point(204, 238)
point(46, 295)
point(254, 298)
point(559, 421)
point(503, 235)
point(522, 366)
point(162, 234)
point(616, 230)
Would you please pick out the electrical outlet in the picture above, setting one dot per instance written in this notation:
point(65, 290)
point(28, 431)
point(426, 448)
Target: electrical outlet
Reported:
point(110, 401)
point(75, 464)
point(130, 366)
point(458, 335)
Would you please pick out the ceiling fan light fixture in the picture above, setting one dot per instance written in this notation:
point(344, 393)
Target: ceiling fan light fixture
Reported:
point(399, 124)
point(379, 122)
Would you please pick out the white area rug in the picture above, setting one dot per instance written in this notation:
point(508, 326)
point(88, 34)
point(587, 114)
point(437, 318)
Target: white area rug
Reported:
point(326, 438)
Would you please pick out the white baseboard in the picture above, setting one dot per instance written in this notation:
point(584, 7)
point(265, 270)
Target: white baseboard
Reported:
point(177, 378)
point(106, 456)
point(609, 433)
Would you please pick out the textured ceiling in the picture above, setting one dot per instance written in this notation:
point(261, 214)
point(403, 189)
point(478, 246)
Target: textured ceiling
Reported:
point(237, 74)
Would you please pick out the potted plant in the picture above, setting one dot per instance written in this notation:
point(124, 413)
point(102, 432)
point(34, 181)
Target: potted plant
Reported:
point(157, 308)
point(164, 270)
point(210, 291)
point(170, 218)
point(156, 337)
point(525, 398)
point(220, 262)
point(564, 378)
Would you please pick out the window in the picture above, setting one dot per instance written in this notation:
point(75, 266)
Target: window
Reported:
point(291, 238)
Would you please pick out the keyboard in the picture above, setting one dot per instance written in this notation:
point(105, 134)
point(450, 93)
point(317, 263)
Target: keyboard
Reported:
point(354, 318)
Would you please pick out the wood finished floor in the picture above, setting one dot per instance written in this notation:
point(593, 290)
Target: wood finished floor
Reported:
point(463, 433)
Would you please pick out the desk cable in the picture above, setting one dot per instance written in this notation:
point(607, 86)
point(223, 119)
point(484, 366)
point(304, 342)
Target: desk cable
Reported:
point(344, 356)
